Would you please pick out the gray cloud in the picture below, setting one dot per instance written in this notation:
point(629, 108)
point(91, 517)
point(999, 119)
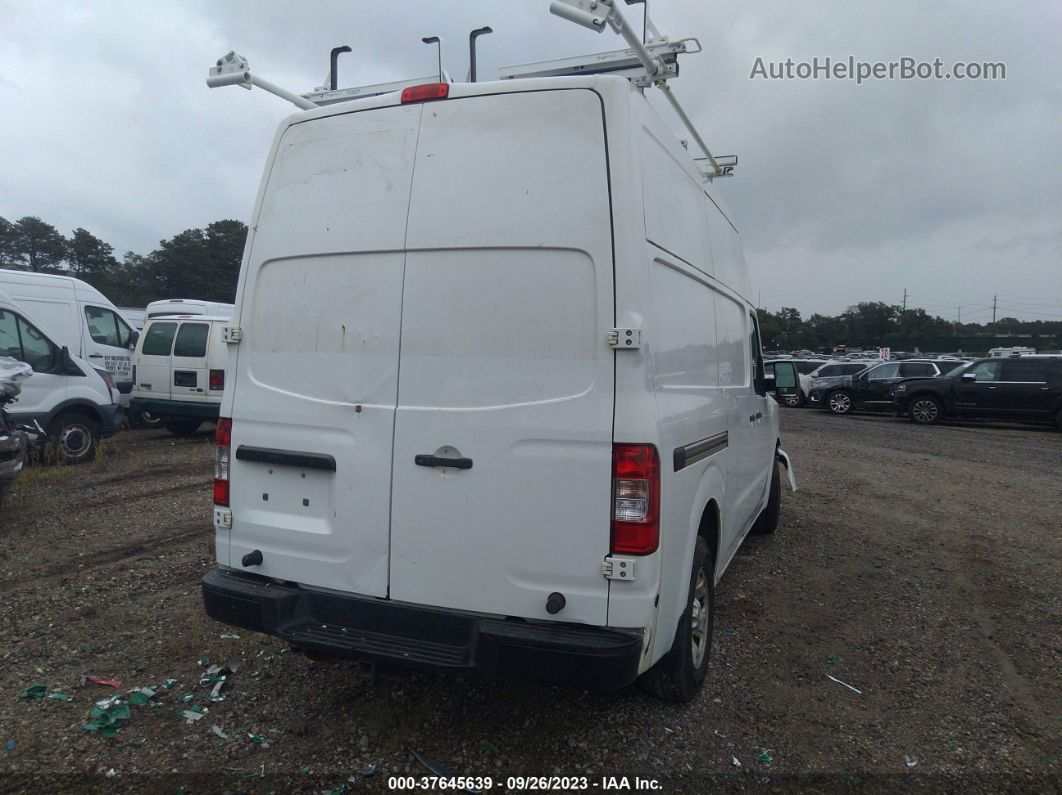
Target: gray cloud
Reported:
point(843, 193)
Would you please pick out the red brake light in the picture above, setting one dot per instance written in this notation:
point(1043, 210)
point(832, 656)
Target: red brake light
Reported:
point(223, 440)
point(223, 432)
point(221, 493)
point(425, 92)
point(217, 380)
point(635, 499)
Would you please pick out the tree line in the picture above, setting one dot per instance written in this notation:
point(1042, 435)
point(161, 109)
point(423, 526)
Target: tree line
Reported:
point(205, 263)
point(197, 263)
point(873, 324)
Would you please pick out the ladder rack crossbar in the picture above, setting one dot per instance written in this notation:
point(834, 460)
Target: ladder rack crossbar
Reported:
point(325, 97)
point(621, 62)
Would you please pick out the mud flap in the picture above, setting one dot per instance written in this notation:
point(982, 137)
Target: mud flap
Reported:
point(781, 455)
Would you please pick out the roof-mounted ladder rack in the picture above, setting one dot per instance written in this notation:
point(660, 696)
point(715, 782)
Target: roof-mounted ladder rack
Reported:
point(657, 58)
point(644, 63)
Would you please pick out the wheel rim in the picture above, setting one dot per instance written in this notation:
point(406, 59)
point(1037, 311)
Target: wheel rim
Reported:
point(792, 400)
point(699, 619)
point(840, 402)
point(75, 440)
point(924, 410)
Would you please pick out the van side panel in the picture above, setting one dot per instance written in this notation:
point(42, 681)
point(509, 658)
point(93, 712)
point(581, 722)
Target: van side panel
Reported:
point(507, 304)
point(676, 214)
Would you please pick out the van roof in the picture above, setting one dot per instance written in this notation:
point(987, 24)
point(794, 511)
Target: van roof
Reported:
point(197, 318)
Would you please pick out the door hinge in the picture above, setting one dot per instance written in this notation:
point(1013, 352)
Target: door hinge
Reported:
point(232, 334)
point(615, 568)
point(222, 519)
point(625, 338)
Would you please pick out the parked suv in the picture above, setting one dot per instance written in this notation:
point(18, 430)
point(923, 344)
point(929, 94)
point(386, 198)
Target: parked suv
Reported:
point(1025, 388)
point(871, 389)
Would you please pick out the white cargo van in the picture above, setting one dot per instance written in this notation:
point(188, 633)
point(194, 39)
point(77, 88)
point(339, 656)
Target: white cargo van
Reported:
point(496, 397)
point(187, 306)
point(81, 318)
point(74, 402)
point(179, 371)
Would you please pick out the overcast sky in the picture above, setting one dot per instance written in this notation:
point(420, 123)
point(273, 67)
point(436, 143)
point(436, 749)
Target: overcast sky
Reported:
point(950, 189)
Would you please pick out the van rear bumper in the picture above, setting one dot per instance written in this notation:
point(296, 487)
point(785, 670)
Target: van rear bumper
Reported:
point(177, 408)
point(361, 627)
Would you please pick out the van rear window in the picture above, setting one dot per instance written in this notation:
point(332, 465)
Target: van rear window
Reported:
point(191, 340)
point(159, 339)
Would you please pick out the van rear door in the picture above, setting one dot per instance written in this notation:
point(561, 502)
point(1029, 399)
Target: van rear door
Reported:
point(503, 436)
point(153, 377)
point(316, 374)
point(189, 378)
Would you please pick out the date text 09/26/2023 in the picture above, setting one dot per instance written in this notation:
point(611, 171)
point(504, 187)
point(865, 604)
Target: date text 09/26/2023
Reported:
point(523, 783)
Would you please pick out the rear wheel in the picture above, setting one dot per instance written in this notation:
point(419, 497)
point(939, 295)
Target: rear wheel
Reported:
point(794, 401)
point(183, 427)
point(925, 410)
point(73, 437)
point(768, 520)
point(839, 402)
point(678, 675)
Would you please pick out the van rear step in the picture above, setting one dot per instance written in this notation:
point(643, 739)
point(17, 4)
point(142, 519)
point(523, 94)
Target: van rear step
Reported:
point(362, 643)
point(591, 657)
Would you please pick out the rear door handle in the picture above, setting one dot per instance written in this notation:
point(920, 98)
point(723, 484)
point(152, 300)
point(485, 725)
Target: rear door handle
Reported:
point(95, 355)
point(439, 461)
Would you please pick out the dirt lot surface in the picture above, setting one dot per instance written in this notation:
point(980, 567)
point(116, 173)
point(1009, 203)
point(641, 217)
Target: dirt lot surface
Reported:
point(918, 565)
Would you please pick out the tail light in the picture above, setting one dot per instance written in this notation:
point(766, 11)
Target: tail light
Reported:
point(217, 380)
point(425, 92)
point(223, 440)
point(108, 379)
point(635, 499)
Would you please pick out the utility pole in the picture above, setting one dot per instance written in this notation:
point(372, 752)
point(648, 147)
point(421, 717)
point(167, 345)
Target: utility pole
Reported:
point(994, 298)
point(904, 299)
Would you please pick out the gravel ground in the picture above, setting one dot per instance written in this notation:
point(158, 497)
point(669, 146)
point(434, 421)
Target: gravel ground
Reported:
point(919, 565)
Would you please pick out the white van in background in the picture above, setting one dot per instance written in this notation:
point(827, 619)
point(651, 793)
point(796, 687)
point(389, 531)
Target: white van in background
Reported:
point(81, 318)
point(74, 402)
point(187, 306)
point(179, 371)
point(582, 435)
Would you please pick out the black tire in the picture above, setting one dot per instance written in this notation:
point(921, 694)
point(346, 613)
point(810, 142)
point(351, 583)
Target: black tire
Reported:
point(183, 427)
point(73, 438)
point(678, 676)
point(925, 410)
point(839, 401)
point(794, 401)
point(767, 522)
point(1058, 419)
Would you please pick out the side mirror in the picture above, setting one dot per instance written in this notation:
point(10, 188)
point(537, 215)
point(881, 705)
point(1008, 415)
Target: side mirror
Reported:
point(66, 364)
point(134, 338)
point(969, 377)
point(785, 378)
